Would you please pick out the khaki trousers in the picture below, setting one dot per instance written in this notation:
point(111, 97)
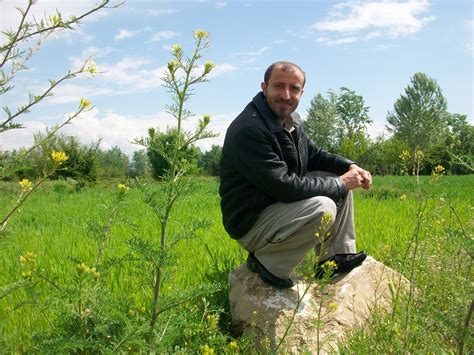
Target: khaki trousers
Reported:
point(285, 232)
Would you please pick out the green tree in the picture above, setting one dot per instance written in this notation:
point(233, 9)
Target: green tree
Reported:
point(160, 158)
point(419, 117)
point(321, 121)
point(114, 164)
point(140, 166)
point(210, 160)
point(352, 114)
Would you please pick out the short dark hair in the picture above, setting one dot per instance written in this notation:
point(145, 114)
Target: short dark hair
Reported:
point(285, 66)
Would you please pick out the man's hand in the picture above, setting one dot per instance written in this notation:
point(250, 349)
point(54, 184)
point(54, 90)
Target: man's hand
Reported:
point(356, 177)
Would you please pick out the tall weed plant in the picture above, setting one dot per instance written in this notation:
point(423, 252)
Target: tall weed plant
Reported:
point(435, 313)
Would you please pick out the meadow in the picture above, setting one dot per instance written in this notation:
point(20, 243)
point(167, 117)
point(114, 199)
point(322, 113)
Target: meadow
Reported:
point(58, 225)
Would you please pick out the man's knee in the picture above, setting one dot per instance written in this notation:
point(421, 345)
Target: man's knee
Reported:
point(323, 205)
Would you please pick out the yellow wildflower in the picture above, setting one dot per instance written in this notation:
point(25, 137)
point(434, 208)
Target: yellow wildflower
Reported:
point(91, 69)
point(208, 66)
point(27, 258)
point(82, 267)
point(25, 184)
point(26, 274)
point(84, 103)
point(233, 345)
point(403, 197)
point(330, 264)
point(177, 49)
point(122, 187)
point(405, 155)
point(438, 171)
point(59, 157)
point(207, 350)
point(332, 307)
point(200, 34)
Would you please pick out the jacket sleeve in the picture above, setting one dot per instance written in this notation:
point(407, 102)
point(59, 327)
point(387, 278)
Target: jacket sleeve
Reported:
point(319, 159)
point(256, 157)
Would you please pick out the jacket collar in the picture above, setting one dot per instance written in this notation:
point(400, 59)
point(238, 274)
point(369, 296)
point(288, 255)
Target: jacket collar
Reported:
point(272, 121)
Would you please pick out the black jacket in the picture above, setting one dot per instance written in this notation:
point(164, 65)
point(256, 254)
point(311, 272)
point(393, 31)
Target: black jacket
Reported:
point(262, 163)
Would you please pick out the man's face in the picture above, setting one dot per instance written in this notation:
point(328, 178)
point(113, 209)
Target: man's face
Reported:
point(283, 91)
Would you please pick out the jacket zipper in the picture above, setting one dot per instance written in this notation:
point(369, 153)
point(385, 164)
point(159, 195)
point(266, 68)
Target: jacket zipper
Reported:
point(297, 151)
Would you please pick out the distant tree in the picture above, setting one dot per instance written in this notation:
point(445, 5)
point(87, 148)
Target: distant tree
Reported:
point(457, 150)
point(352, 114)
point(210, 160)
point(419, 117)
point(320, 124)
point(114, 164)
point(159, 159)
point(82, 163)
point(339, 123)
point(140, 165)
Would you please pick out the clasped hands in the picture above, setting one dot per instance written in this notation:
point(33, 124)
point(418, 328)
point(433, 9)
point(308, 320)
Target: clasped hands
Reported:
point(356, 177)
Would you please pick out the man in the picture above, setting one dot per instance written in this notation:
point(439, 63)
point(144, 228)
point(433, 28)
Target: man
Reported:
point(276, 185)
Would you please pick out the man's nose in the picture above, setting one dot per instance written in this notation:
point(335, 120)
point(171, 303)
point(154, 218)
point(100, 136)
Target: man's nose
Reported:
point(285, 93)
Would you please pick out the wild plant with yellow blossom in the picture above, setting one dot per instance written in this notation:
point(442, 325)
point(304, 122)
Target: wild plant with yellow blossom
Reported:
point(181, 76)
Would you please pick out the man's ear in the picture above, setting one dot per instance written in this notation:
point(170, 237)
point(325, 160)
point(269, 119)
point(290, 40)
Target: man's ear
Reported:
point(264, 88)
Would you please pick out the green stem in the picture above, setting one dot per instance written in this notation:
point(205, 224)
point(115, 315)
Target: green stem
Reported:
point(15, 38)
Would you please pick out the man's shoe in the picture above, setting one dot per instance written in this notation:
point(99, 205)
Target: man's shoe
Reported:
point(344, 263)
point(256, 266)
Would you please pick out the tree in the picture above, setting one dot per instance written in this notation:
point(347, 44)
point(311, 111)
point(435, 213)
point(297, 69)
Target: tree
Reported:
point(210, 160)
point(352, 114)
point(339, 123)
point(419, 117)
point(140, 165)
point(159, 157)
point(457, 150)
point(320, 122)
point(114, 164)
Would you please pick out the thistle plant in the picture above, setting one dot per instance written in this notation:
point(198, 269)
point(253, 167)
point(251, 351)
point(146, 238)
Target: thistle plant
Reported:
point(181, 76)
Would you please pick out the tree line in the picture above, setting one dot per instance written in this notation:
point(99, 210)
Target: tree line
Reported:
point(419, 123)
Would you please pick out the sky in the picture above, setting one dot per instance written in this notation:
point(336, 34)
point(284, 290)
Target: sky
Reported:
point(372, 47)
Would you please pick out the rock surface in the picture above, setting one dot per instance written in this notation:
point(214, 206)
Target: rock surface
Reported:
point(266, 313)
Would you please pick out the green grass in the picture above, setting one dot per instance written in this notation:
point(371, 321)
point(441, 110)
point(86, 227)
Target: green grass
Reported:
point(53, 223)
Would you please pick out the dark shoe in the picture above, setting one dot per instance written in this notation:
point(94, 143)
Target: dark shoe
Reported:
point(344, 263)
point(256, 266)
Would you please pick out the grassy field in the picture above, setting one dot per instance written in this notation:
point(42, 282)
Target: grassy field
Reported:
point(56, 224)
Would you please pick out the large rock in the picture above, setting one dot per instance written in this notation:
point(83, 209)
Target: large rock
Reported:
point(267, 313)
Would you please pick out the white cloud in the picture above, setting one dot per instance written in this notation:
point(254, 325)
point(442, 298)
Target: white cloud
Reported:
point(131, 72)
point(220, 4)
point(72, 93)
point(16, 138)
point(257, 53)
point(250, 57)
point(336, 42)
point(124, 34)
point(158, 36)
point(158, 12)
point(222, 69)
point(375, 18)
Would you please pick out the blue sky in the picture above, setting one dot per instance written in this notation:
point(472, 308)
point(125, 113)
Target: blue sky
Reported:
point(373, 47)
